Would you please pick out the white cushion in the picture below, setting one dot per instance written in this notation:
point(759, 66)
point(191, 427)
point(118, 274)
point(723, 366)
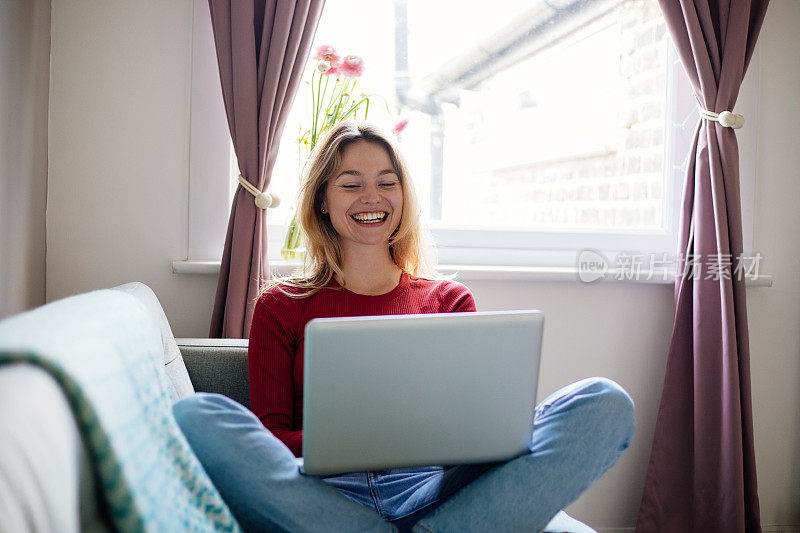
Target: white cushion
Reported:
point(39, 453)
point(173, 360)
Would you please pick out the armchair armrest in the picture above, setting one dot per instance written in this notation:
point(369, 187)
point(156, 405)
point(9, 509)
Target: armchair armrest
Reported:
point(218, 365)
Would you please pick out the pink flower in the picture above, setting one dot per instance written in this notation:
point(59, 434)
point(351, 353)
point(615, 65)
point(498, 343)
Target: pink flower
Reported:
point(400, 126)
point(352, 66)
point(327, 53)
point(323, 66)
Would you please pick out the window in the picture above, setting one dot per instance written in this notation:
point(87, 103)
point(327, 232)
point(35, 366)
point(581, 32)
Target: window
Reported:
point(536, 129)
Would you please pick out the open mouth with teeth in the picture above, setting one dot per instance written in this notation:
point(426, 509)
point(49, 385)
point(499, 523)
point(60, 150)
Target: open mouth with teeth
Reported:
point(371, 218)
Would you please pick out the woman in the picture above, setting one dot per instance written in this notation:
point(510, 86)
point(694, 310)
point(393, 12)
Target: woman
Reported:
point(365, 256)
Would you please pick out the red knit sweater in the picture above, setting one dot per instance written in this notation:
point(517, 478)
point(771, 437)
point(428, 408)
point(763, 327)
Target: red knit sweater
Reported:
point(275, 355)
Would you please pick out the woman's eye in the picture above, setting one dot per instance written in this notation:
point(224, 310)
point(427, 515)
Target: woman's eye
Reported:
point(389, 184)
point(350, 186)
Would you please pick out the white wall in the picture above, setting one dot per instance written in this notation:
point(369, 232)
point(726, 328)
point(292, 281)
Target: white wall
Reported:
point(119, 138)
point(24, 66)
point(119, 141)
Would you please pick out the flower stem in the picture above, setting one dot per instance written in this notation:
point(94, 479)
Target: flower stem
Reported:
point(342, 99)
point(313, 106)
point(287, 242)
point(317, 106)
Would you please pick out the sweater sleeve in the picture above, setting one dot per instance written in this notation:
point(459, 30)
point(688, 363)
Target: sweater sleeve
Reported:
point(456, 298)
point(270, 359)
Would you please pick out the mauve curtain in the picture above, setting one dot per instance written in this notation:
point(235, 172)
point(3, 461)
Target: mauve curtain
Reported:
point(702, 472)
point(262, 48)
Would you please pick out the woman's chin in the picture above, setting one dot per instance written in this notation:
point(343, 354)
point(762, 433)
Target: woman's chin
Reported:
point(368, 241)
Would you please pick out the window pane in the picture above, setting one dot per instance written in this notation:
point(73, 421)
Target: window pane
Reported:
point(524, 116)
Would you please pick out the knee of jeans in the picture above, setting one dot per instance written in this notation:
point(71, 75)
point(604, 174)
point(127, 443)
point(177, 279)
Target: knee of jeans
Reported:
point(193, 409)
point(617, 405)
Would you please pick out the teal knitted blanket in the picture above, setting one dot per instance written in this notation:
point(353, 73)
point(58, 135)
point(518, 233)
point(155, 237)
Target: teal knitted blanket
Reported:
point(106, 354)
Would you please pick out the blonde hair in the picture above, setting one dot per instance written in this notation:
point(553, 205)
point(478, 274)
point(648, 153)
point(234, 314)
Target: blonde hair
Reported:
point(410, 245)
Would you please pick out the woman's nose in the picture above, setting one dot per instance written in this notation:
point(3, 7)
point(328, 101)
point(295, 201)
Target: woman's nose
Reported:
point(370, 194)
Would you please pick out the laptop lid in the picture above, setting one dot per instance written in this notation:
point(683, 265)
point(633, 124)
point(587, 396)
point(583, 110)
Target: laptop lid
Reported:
point(412, 390)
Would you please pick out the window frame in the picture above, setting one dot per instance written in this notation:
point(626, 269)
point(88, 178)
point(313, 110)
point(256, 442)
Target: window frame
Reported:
point(210, 196)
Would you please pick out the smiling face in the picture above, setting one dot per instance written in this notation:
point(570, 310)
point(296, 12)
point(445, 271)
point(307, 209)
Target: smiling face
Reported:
point(364, 196)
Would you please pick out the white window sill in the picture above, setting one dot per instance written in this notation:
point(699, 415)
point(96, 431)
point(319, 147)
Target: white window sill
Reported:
point(490, 273)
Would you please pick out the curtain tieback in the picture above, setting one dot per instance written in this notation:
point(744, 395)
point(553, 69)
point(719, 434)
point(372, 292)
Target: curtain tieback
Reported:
point(263, 200)
point(725, 118)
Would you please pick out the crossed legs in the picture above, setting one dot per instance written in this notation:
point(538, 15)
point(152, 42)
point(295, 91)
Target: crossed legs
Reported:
point(579, 432)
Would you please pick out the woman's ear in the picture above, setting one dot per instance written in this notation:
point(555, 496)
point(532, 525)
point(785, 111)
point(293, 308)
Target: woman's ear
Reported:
point(321, 197)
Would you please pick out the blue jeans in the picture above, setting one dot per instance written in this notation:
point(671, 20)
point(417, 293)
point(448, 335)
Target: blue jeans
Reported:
point(579, 432)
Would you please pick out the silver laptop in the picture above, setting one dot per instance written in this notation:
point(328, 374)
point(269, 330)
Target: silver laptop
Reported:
point(411, 390)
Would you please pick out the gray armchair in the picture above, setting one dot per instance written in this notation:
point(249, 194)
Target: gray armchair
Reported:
point(217, 365)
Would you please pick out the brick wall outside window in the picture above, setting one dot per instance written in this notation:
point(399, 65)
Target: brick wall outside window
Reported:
point(616, 187)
